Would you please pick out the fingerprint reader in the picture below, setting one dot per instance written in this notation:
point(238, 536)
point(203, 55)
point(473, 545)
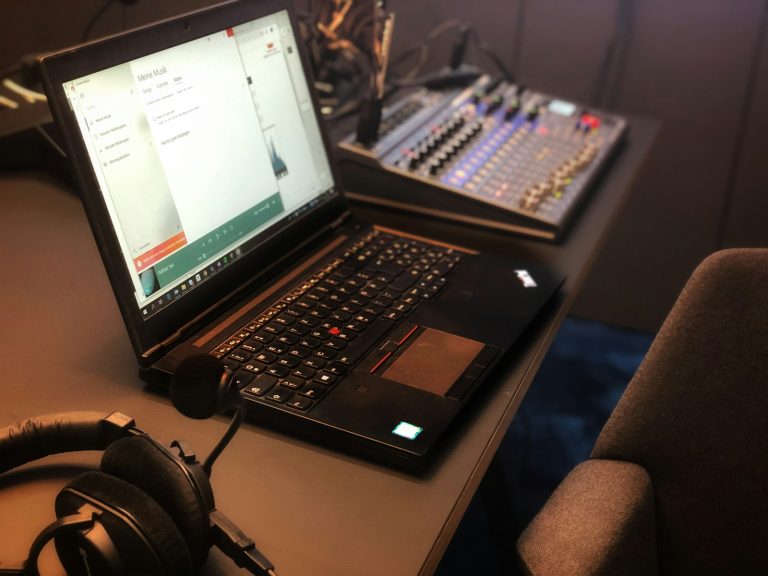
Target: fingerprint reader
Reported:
point(407, 430)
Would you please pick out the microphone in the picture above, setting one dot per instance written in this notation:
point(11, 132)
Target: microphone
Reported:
point(201, 387)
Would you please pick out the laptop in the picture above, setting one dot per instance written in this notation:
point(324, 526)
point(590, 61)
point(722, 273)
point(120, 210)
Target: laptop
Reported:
point(209, 184)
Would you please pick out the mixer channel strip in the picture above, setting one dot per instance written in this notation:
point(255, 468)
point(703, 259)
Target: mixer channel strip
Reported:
point(494, 154)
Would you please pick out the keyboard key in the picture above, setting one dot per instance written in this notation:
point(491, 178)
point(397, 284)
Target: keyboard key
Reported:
point(298, 329)
point(325, 353)
point(359, 301)
point(300, 403)
point(392, 294)
point(382, 302)
point(336, 344)
point(326, 378)
point(278, 371)
point(261, 385)
point(288, 339)
point(266, 357)
point(255, 367)
point(309, 321)
point(231, 364)
point(405, 280)
point(284, 319)
point(277, 348)
point(263, 337)
point(304, 372)
point(372, 310)
point(311, 341)
point(299, 352)
point(293, 382)
point(251, 346)
point(279, 394)
point(340, 316)
point(312, 391)
point(241, 379)
point(239, 356)
point(290, 361)
point(314, 362)
point(336, 368)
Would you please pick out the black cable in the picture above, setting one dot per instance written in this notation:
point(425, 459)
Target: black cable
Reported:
point(439, 79)
point(612, 68)
point(488, 50)
point(517, 51)
point(423, 49)
point(96, 17)
point(743, 125)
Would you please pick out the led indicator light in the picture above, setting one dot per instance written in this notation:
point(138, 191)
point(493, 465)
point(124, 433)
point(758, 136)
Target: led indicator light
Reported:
point(407, 430)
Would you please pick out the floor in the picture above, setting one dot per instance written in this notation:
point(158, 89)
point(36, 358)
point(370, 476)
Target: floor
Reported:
point(579, 383)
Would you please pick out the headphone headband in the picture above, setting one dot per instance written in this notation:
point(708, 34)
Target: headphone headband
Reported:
point(42, 436)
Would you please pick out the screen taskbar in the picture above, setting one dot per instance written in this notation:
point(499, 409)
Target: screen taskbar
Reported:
point(167, 295)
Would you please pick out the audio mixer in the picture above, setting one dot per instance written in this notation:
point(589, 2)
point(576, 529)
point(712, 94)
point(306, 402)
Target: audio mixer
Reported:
point(493, 154)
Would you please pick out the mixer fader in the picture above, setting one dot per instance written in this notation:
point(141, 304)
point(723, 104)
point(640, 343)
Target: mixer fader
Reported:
point(494, 154)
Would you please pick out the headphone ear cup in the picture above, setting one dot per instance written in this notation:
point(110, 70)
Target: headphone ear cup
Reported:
point(160, 474)
point(146, 539)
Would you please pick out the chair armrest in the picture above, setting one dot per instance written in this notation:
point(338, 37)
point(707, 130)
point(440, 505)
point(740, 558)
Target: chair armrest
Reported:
point(599, 521)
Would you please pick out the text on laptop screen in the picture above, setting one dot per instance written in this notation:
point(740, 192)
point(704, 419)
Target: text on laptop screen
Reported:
point(200, 148)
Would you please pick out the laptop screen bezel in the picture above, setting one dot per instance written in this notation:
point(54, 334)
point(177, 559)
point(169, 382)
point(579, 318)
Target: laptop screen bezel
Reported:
point(148, 334)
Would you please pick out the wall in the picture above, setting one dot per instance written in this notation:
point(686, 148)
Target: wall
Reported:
point(698, 66)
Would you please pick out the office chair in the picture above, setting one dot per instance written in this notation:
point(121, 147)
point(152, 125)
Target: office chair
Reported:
point(677, 482)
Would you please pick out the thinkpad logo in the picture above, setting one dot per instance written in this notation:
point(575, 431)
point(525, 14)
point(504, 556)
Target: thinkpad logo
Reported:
point(526, 279)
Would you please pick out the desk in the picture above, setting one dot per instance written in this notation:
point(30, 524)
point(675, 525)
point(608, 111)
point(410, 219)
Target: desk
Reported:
point(309, 509)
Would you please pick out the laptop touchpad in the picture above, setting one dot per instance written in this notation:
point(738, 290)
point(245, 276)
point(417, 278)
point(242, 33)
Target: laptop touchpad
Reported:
point(429, 359)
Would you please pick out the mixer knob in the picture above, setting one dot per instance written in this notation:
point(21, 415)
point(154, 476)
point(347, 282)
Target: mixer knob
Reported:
point(529, 201)
point(533, 113)
point(492, 103)
point(512, 109)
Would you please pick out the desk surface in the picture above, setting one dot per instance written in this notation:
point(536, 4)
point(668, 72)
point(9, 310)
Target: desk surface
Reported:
point(309, 509)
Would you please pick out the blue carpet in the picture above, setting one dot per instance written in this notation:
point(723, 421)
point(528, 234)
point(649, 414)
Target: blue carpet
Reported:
point(579, 383)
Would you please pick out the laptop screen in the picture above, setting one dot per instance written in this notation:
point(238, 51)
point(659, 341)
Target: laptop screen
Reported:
point(200, 150)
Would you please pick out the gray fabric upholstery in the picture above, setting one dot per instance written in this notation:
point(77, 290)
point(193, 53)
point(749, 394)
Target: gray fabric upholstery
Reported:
point(599, 521)
point(695, 417)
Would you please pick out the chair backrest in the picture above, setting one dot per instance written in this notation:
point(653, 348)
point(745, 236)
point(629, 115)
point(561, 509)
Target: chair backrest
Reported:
point(695, 416)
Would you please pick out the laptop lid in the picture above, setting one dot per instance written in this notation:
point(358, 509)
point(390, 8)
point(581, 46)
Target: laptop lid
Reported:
point(201, 161)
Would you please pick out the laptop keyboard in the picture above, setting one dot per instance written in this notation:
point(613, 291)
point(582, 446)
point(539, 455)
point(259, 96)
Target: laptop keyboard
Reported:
point(295, 351)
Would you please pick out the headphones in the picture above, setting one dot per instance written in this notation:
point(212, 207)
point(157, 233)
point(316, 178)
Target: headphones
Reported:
point(148, 510)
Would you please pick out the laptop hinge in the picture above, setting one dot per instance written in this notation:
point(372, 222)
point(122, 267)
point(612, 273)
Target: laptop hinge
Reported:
point(165, 344)
point(341, 220)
